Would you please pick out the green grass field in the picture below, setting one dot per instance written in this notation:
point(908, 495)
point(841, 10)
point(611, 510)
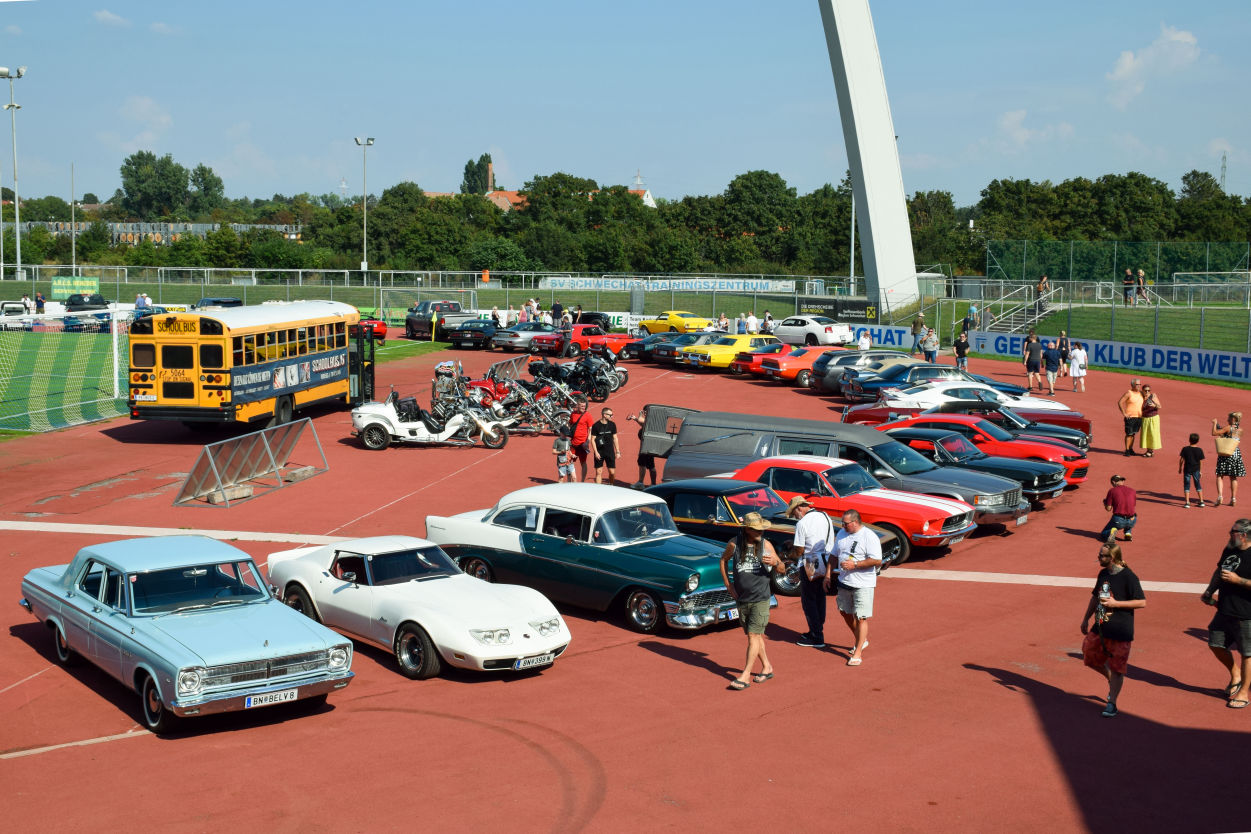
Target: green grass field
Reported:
point(51, 380)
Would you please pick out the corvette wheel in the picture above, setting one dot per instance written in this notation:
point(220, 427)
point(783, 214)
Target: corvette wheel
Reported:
point(297, 600)
point(375, 437)
point(415, 653)
point(643, 612)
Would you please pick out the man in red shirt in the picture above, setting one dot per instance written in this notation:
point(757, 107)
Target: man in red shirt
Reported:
point(580, 423)
point(1122, 502)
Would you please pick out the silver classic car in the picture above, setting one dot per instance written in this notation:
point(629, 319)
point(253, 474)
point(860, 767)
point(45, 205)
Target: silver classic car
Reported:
point(188, 623)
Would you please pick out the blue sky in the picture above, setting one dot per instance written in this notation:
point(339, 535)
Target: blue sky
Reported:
point(690, 92)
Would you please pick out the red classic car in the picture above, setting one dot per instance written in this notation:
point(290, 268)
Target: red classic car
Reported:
point(993, 440)
point(584, 336)
point(1075, 426)
point(748, 362)
point(375, 326)
point(835, 485)
point(795, 366)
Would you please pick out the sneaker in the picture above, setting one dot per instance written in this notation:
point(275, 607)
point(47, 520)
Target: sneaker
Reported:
point(1187, 506)
point(1129, 537)
point(811, 642)
point(1201, 504)
point(1109, 711)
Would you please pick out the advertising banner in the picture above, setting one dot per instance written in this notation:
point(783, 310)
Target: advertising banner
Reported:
point(851, 311)
point(285, 376)
point(670, 284)
point(63, 286)
point(1195, 362)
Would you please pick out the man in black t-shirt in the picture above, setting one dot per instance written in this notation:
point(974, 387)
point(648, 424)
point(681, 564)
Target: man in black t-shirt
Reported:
point(605, 445)
point(961, 348)
point(1230, 591)
point(1031, 354)
point(1190, 466)
point(1116, 595)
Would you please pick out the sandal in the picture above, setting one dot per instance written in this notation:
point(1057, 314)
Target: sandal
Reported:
point(855, 661)
point(738, 685)
point(762, 677)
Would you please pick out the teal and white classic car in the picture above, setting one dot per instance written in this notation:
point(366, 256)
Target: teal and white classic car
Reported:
point(188, 623)
point(595, 546)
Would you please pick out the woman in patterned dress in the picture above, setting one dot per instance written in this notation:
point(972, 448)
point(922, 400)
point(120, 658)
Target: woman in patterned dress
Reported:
point(1230, 466)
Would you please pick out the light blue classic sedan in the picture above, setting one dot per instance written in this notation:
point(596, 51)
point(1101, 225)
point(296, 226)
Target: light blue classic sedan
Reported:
point(188, 623)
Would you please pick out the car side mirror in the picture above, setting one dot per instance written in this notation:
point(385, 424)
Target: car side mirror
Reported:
point(349, 576)
point(568, 539)
point(880, 473)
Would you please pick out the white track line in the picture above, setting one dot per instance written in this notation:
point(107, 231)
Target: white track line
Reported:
point(122, 530)
point(23, 680)
point(300, 538)
point(35, 751)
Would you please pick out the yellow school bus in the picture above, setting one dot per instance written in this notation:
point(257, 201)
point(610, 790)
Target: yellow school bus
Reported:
point(243, 364)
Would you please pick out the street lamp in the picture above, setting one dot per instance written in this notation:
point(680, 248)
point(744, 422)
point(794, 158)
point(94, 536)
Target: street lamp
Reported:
point(5, 72)
point(364, 142)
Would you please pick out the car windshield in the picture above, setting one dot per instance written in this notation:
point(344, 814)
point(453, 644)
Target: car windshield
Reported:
point(822, 320)
point(474, 325)
point(915, 391)
point(959, 448)
point(762, 500)
point(994, 431)
point(1014, 418)
point(902, 458)
point(196, 586)
point(685, 339)
point(406, 565)
point(849, 479)
point(799, 351)
point(688, 316)
point(633, 523)
point(776, 347)
point(726, 340)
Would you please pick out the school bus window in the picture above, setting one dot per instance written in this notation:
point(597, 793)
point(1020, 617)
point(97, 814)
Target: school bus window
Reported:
point(212, 356)
point(322, 342)
point(236, 344)
point(142, 356)
point(249, 350)
point(301, 340)
point(340, 334)
point(177, 356)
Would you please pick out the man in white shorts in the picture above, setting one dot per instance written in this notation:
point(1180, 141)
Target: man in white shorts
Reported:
point(859, 555)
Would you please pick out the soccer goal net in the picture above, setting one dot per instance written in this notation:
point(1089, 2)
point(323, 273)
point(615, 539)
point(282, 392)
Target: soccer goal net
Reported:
point(62, 370)
point(394, 302)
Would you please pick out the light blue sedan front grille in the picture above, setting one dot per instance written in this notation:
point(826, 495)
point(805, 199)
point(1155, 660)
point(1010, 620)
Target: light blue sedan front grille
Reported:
point(229, 674)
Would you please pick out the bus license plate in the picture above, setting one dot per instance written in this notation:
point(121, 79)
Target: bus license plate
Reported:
point(531, 662)
point(270, 698)
point(145, 398)
point(1022, 519)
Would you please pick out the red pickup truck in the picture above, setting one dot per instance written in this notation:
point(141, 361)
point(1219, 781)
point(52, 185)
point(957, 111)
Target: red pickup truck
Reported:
point(584, 336)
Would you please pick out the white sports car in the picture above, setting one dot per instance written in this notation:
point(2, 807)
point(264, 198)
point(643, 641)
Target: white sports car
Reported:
point(405, 595)
point(813, 330)
point(927, 396)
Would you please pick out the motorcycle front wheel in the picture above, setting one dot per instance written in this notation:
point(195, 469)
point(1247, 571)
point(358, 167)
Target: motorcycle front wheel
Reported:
point(496, 439)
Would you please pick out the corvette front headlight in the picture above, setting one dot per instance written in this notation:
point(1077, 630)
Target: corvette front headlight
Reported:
point(190, 681)
point(491, 636)
point(546, 628)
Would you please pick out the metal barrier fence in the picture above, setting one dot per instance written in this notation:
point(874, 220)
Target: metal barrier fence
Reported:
point(1073, 260)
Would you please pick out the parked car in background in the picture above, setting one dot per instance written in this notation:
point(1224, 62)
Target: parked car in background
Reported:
point(1039, 480)
point(675, 321)
point(835, 485)
point(217, 302)
point(519, 335)
point(866, 387)
point(812, 330)
point(714, 508)
point(935, 393)
point(81, 302)
point(591, 317)
point(584, 338)
point(375, 327)
point(850, 372)
point(719, 353)
point(474, 333)
point(829, 367)
point(406, 596)
point(1071, 426)
point(990, 438)
point(442, 316)
point(641, 349)
point(601, 547)
point(187, 622)
point(750, 362)
point(794, 366)
point(668, 351)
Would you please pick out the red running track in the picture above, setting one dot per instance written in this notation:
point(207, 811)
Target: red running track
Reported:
point(971, 711)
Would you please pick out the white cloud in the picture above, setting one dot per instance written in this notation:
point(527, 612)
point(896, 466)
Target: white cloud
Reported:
point(1219, 146)
point(165, 28)
point(106, 18)
point(1172, 51)
point(151, 123)
point(1013, 135)
point(12, 30)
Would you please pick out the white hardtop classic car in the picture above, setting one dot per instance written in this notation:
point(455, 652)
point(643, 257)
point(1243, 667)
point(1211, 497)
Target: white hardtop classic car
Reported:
point(188, 622)
point(597, 546)
point(935, 393)
point(405, 595)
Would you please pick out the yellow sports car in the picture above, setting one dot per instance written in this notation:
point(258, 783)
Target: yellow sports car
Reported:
point(721, 353)
point(674, 321)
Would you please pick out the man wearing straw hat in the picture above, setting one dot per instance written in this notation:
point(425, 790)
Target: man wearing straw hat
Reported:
point(754, 557)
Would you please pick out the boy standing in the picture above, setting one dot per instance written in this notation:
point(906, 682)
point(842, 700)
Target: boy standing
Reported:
point(1190, 465)
point(564, 457)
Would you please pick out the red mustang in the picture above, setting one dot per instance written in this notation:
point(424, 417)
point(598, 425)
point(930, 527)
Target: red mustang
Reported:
point(375, 326)
point(749, 361)
point(583, 336)
point(795, 366)
point(991, 439)
point(835, 485)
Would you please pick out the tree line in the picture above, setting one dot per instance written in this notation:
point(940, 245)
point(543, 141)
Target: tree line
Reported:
point(758, 224)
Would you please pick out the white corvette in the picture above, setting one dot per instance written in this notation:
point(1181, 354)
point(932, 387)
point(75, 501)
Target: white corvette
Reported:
point(927, 396)
point(405, 595)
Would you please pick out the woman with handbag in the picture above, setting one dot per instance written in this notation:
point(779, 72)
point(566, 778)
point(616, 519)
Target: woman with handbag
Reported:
point(1149, 438)
point(1077, 366)
point(1228, 456)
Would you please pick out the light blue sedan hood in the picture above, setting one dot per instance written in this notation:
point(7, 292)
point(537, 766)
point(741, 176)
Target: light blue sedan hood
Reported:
point(239, 633)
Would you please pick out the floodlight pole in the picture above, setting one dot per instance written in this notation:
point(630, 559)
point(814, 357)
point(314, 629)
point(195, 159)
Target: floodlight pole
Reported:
point(364, 142)
point(13, 107)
